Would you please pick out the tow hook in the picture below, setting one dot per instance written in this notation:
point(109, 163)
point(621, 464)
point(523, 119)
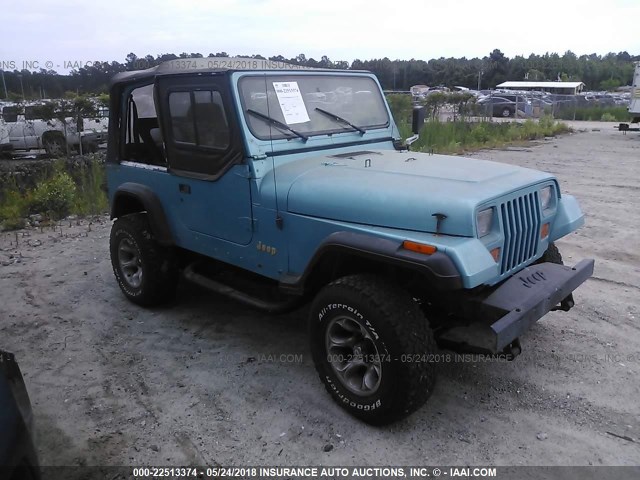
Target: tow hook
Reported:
point(566, 304)
point(511, 351)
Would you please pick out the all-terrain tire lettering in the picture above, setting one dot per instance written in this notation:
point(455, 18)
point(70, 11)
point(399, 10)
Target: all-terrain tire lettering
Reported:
point(398, 327)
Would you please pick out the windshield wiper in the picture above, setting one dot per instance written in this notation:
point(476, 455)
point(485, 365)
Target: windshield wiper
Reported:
point(277, 124)
point(342, 120)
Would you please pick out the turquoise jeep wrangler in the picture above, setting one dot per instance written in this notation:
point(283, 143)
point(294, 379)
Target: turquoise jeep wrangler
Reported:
point(275, 185)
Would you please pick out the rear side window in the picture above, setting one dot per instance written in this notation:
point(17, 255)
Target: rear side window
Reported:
point(34, 112)
point(142, 140)
point(198, 119)
point(10, 114)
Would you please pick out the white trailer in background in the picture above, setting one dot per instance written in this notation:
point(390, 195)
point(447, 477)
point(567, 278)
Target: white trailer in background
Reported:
point(634, 103)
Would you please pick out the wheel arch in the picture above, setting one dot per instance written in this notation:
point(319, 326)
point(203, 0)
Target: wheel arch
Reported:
point(52, 134)
point(345, 253)
point(137, 198)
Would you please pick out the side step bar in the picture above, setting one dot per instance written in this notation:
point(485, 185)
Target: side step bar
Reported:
point(210, 284)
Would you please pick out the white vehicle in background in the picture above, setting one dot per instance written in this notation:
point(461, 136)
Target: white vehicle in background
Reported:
point(24, 127)
point(634, 102)
point(5, 145)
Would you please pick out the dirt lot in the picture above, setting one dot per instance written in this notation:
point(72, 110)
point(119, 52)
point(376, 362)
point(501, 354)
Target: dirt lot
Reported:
point(205, 381)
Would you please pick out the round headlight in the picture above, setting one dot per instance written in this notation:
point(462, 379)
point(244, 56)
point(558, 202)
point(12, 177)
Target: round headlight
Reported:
point(484, 220)
point(546, 197)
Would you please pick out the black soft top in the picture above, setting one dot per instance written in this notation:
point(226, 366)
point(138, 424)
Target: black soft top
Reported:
point(214, 65)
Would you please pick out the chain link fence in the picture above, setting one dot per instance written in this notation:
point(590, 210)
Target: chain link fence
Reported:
point(589, 106)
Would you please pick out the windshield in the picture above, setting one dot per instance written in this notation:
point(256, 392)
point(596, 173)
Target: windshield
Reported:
point(301, 102)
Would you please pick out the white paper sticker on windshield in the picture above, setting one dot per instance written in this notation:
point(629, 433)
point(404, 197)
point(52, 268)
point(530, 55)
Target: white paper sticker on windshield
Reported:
point(291, 102)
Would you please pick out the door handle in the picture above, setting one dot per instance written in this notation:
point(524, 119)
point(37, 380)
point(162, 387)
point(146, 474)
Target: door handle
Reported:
point(184, 188)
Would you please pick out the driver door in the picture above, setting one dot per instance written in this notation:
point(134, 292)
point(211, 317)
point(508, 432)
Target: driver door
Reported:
point(204, 150)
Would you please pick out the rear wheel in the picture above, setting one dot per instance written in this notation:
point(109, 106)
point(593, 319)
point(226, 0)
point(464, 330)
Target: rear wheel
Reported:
point(55, 145)
point(88, 147)
point(373, 348)
point(506, 112)
point(145, 270)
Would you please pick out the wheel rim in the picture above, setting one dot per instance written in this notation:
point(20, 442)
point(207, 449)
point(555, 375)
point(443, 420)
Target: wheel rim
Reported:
point(506, 112)
point(56, 147)
point(353, 355)
point(130, 262)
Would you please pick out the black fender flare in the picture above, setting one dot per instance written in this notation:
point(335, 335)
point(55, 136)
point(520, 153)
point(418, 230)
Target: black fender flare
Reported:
point(438, 268)
point(150, 203)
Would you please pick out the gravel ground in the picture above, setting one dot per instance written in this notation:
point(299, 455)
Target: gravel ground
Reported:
point(208, 381)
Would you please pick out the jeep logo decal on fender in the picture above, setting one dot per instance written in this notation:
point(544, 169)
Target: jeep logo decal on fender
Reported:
point(261, 247)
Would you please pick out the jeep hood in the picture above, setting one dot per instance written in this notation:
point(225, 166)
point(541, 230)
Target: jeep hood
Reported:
point(400, 189)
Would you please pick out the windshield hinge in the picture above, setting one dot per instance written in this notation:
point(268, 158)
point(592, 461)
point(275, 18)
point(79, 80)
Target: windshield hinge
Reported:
point(244, 172)
point(261, 156)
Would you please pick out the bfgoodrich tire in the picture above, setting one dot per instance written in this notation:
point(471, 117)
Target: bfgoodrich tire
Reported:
point(373, 348)
point(551, 255)
point(146, 271)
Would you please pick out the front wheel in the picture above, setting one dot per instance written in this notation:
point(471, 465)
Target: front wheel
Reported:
point(506, 112)
point(145, 270)
point(373, 348)
point(553, 255)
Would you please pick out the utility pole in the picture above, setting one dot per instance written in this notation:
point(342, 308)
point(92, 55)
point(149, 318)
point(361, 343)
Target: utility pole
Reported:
point(21, 86)
point(6, 94)
point(479, 77)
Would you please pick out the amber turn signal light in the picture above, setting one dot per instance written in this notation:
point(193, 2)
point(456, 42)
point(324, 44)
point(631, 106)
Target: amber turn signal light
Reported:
point(544, 231)
point(419, 247)
point(495, 253)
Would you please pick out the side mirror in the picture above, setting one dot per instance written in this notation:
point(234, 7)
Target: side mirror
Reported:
point(416, 125)
point(418, 119)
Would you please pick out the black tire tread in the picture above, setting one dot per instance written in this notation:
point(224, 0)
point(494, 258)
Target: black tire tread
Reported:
point(415, 380)
point(551, 255)
point(161, 275)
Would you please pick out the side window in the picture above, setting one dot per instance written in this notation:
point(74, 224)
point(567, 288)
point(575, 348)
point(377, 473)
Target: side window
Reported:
point(142, 138)
point(33, 112)
point(198, 119)
point(182, 124)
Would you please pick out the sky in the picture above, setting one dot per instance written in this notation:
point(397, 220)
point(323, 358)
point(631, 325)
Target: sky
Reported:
point(61, 34)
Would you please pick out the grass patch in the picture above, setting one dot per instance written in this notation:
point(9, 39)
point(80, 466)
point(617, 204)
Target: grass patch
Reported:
point(90, 198)
point(461, 136)
point(54, 196)
point(14, 208)
point(59, 191)
point(595, 113)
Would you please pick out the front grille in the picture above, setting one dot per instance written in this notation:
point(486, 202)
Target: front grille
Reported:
point(521, 225)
